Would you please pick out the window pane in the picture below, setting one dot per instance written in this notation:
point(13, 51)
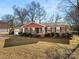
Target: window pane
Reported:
point(57, 29)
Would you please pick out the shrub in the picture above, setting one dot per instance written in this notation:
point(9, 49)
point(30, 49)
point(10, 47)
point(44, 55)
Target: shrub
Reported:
point(47, 35)
point(24, 34)
point(57, 34)
point(69, 35)
point(52, 34)
point(63, 34)
point(74, 32)
point(11, 33)
point(20, 33)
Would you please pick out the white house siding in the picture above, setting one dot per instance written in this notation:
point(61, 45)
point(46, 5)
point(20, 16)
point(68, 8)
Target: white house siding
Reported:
point(16, 31)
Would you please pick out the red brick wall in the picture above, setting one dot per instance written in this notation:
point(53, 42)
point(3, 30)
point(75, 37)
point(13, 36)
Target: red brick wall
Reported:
point(53, 29)
point(63, 29)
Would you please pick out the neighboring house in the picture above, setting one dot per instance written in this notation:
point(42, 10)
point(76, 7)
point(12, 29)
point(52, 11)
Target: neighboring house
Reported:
point(4, 27)
point(45, 28)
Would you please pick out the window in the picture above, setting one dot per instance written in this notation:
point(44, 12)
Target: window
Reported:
point(58, 29)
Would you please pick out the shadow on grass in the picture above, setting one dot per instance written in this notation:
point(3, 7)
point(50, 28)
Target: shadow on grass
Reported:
point(55, 40)
point(16, 41)
point(20, 40)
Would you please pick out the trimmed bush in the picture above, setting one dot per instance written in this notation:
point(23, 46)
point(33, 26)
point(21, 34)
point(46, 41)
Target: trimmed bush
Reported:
point(69, 35)
point(11, 33)
point(52, 34)
point(20, 33)
point(57, 34)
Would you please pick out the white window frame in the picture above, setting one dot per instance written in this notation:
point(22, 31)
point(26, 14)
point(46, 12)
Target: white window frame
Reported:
point(58, 29)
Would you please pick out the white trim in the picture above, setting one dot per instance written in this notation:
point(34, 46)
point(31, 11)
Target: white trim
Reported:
point(23, 30)
point(43, 30)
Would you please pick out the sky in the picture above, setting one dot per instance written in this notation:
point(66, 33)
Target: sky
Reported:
point(6, 5)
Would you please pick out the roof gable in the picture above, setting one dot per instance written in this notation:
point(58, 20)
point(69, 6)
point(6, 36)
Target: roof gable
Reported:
point(33, 24)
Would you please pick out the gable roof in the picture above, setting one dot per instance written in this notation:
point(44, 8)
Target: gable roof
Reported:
point(33, 24)
point(37, 25)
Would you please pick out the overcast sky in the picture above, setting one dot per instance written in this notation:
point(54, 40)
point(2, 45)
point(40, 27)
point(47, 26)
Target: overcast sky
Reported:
point(6, 5)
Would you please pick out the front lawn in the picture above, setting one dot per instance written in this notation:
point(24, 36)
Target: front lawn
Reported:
point(20, 40)
point(18, 47)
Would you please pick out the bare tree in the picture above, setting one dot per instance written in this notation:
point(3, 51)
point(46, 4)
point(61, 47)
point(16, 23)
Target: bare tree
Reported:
point(73, 15)
point(57, 17)
point(41, 13)
point(36, 12)
point(9, 18)
point(71, 10)
point(20, 14)
point(32, 11)
point(68, 7)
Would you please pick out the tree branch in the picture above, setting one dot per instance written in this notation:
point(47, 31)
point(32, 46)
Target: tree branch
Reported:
point(72, 3)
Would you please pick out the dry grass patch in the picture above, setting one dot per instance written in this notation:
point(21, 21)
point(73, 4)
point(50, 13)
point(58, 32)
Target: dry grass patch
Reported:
point(33, 48)
point(2, 41)
point(40, 50)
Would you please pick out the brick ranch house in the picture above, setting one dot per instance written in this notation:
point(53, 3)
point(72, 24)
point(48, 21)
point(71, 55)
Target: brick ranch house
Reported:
point(4, 27)
point(45, 28)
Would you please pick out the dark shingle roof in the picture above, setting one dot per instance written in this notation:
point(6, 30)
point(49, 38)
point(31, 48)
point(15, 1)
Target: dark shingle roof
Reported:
point(53, 23)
